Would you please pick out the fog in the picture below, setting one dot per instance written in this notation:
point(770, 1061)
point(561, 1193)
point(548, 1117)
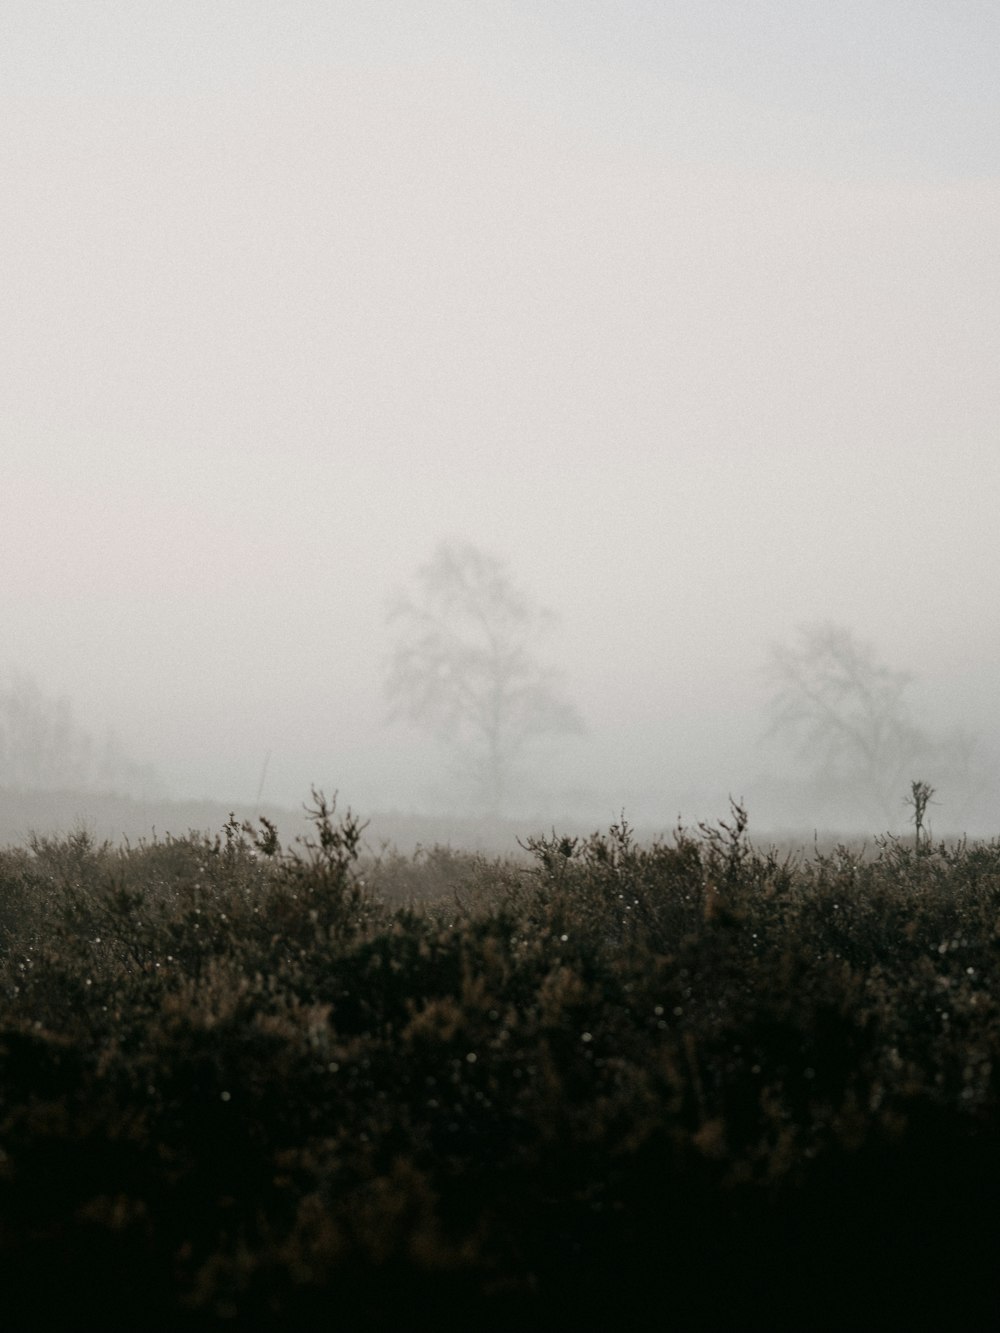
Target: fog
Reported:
point(686, 311)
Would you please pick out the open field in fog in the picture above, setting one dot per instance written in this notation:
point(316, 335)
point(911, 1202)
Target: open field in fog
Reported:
point(113, 818)
point(251, 1085)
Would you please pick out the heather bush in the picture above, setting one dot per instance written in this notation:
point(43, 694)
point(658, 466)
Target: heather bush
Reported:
point(251, 1085)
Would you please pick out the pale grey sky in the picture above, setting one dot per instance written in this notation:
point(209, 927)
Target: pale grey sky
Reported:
point(687, 309)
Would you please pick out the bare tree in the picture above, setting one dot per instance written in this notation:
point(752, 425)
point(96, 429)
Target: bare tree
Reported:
point(847, 714)
point(464, 668)
point(43, 748)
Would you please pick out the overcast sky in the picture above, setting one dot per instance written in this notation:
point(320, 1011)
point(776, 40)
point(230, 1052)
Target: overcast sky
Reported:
point(687, 309)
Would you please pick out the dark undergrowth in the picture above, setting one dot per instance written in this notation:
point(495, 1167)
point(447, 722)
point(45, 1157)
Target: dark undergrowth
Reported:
point(694, 1085)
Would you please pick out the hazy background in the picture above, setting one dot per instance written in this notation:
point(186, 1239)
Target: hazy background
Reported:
point(687, 309)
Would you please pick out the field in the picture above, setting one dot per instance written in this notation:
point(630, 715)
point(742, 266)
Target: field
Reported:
point(696, 1083)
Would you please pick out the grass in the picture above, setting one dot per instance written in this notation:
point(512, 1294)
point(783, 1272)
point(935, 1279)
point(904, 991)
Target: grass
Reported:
point(696, 1083)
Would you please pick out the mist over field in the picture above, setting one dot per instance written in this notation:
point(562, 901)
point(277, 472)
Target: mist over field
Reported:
point(567, 431)
point(685, 313)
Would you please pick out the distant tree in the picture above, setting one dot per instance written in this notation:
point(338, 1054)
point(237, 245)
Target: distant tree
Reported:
point(464, 669)
point(847, 715)
point(42, 747)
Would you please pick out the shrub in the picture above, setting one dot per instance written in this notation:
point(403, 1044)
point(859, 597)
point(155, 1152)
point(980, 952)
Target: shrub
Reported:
point(260, 1086)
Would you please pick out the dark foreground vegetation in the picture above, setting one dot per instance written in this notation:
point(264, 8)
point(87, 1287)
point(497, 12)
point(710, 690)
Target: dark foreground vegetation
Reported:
point(689, 1085)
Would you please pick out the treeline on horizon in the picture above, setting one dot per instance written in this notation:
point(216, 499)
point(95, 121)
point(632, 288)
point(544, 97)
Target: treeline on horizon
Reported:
point(251, 1084)
point(838, 718)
